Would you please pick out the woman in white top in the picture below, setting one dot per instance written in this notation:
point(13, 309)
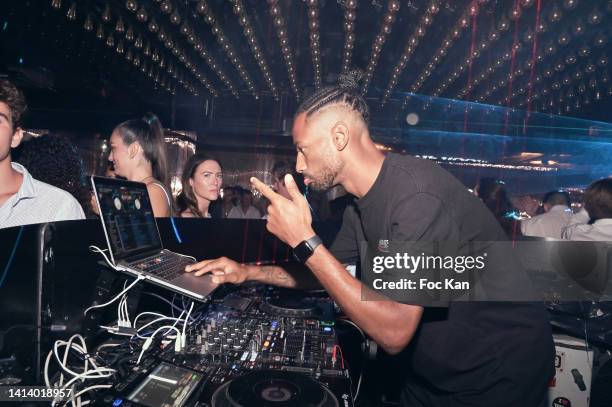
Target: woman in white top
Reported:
point(138, 153)
point(202, 180)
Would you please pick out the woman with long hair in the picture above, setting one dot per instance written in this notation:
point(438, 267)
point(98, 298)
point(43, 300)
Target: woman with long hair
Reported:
point(202, 179)
point(138, 153)
point(493, 194)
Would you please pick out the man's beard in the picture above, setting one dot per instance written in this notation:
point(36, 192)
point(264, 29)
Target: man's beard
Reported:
point(325, 180)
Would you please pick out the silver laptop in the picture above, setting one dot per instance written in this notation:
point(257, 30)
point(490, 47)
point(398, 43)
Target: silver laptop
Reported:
point(133, 238)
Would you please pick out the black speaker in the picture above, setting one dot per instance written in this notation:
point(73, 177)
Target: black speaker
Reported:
point(20, 304)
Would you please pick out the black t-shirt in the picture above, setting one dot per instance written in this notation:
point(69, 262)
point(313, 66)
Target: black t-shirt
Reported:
point(470, 353)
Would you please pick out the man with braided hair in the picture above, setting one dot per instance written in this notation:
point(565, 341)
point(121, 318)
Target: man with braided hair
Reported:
point(467, 354)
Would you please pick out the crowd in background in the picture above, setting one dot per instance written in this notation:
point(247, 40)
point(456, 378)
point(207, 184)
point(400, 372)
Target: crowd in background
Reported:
point(553, 217)
point(47, 173)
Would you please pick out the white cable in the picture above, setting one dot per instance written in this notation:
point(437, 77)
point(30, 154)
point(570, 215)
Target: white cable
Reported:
point(183, 339)
point(123, 314)
point(140, 277)
point(47, 382)
point(98, 372)
point(70, 384)
point(90, 388)
point(106, 345)
point(120, 320)
point(157, 314)
point(65, 358)
point(96, 249)
point(348, 321)
point(176, 320)
point(126, 313)
point(95, 373)
point(358, 386)
point(149, 340)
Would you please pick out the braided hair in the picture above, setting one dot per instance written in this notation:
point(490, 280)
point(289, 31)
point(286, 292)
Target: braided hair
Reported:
point(345, 93)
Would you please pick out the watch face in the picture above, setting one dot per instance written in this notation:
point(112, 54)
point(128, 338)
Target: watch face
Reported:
point(302, 252)
point(305, 249)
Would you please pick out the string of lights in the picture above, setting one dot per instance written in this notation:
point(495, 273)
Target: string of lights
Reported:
point(559, 76)
point(493, 37)
point(208, 16)
point(388, 19)
point(350, 15)
point(313, 25)
point(411, 44)
point(150, 69)
point(569, 85)
point(175, 18)
point(143, 17)
point(549, 49)
point(283, 38)
point(249, 33)
point(455, 33)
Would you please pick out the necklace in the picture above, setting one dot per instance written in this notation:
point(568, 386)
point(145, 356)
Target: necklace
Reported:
point(150, 176)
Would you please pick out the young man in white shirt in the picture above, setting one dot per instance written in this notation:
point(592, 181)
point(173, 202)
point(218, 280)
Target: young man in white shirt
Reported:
point(557, 214)
point(594, 221)
point(245, 208)
point(23, 199)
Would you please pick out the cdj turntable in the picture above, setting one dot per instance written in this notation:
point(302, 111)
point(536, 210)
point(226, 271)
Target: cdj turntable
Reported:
point(274, 388)
point(254, 347)
point(287, 304)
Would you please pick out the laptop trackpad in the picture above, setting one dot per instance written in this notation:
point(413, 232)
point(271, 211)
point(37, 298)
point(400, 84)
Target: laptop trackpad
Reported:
point(202, 285)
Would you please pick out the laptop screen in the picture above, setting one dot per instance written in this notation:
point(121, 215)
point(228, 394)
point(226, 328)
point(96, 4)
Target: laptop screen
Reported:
point(127, 215)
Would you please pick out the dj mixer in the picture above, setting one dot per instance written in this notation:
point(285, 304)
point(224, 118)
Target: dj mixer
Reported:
point(256, 346)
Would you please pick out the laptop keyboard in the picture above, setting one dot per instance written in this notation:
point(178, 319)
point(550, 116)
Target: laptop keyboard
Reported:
point(167, 266)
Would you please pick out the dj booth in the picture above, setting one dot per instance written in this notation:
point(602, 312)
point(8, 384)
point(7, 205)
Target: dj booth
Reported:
point(246, 345)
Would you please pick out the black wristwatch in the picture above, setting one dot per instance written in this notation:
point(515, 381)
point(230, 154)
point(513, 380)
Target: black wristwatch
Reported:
point(304, 250)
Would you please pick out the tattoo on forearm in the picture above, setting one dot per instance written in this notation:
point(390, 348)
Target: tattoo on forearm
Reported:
point(276, 275)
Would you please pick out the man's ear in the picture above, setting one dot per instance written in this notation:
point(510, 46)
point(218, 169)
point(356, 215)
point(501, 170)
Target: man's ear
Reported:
point(17, 137)
point(340, 135)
